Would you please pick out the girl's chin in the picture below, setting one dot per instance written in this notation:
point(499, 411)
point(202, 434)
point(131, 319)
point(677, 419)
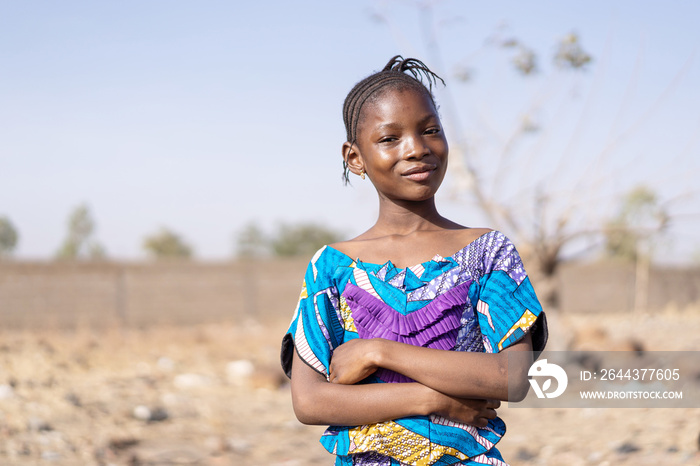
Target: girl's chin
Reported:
point(427, 195)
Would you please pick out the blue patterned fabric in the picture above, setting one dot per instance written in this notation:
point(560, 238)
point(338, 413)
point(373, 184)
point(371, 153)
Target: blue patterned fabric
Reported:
point(479, 299)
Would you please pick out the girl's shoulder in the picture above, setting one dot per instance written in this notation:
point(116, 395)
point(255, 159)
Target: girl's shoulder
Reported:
point(324, 265)
point(467, 236)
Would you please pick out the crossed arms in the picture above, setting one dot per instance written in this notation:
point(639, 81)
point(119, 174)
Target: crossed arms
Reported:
point(461, 386)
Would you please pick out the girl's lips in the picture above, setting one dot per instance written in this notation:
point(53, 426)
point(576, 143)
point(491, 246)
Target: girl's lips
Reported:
point(419, 176)
point(420, 173)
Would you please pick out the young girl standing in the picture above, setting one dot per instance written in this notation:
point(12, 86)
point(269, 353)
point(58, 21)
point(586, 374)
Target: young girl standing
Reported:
point(401, 338)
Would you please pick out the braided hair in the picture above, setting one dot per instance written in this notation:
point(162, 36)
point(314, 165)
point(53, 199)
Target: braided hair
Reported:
point(400, 73)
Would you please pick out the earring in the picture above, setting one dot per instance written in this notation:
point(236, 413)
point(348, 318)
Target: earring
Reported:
point(362, 173)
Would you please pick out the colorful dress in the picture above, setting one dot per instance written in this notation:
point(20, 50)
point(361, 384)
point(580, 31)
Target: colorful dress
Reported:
point(479, 299)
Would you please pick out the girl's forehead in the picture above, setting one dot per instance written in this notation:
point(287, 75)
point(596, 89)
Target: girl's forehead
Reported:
point(393, 101)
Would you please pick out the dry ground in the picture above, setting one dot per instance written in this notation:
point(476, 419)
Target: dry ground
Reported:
point(172, 396)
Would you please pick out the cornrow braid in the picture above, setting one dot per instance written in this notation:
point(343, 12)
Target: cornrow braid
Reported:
point(398, 73)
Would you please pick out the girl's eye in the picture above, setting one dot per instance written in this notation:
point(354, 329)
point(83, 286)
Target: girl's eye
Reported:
point(432, 130)
point(387, 139)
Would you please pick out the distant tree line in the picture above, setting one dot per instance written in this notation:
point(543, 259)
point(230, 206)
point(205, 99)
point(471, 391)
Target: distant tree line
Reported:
point(629, 235)
point(8, 237)
point(300, 239)
point(80, 242)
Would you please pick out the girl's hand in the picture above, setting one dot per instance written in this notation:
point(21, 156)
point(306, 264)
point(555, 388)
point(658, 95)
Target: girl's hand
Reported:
point(353, 361)
point(466, 410)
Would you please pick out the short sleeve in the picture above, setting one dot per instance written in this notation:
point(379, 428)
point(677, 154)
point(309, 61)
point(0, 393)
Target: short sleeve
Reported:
point(316, 327)
point(508, 307)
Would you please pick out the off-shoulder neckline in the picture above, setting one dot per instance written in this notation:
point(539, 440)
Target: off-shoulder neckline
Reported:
point(436, 258)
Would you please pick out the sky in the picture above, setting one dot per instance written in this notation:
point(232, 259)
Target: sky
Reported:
point(203, 117)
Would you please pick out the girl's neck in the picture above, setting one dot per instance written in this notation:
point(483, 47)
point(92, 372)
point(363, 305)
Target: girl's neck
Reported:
point(403, 218)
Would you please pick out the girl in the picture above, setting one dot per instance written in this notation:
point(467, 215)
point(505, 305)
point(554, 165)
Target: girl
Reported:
point(366, 349)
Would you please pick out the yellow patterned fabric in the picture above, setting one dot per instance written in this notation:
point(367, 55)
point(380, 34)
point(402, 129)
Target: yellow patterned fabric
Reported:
point(524, 323)
point(393, 440)
point(346, 314)
point(304, 294)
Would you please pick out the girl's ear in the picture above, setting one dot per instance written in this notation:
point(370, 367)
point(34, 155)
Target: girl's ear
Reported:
point(353, 158)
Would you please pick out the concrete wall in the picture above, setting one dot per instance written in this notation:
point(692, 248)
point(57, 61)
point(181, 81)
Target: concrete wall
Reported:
point(611, 287)
point(96, 294)
point(102, 294)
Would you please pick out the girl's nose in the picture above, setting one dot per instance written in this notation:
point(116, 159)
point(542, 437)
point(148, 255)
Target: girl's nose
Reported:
point(416, 148)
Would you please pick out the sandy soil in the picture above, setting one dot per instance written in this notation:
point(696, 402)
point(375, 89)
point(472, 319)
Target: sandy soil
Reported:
point(182, 396)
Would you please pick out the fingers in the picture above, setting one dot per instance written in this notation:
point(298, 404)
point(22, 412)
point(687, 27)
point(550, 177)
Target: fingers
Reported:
point(333, 378)
point(491, 407)
point(481, 422)
point(485, 417)
point(493, 404)
point(474, 411)
point(487, 413)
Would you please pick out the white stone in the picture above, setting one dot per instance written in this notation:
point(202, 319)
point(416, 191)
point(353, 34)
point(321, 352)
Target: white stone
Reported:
point(142, 412)
point(165, 364)
point(238, 445)
point(238, 372)
point(6, 392)
point(185, 381)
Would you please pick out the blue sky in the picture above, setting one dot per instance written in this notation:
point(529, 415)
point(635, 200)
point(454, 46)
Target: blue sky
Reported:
point(204, 116)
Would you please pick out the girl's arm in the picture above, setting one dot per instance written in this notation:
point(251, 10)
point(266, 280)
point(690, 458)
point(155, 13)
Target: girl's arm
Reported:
point(456, 373)
point(318, 402)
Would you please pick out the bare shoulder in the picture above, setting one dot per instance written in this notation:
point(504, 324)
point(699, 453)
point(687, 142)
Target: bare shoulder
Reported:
point(467, 235)
point(453, 240)
point(349, 247)
point(341, 246)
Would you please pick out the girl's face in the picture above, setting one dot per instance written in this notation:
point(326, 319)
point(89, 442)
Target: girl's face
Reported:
point(401, 145)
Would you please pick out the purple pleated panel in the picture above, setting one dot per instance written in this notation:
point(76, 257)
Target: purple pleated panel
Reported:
point(435, 325)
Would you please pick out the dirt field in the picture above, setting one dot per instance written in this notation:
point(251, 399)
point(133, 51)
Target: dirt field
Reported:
point(213, 395)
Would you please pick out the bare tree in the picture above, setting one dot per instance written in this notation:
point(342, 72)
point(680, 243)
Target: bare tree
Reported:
point(547, 202)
